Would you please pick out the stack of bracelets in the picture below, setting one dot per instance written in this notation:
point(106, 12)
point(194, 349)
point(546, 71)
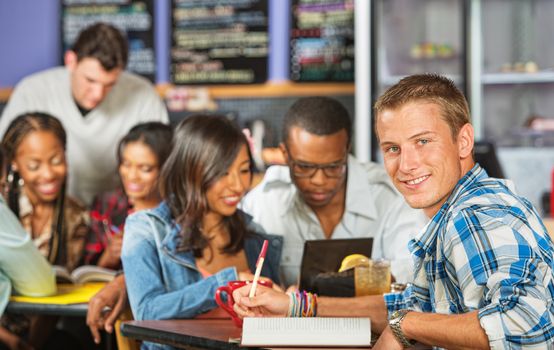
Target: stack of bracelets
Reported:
point(302, 304)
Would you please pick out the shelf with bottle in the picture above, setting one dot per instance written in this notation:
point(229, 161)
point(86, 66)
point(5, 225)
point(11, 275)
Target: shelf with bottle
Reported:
point(432, 51)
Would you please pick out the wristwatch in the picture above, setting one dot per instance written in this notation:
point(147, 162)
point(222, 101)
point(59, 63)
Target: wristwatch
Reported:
point(395, 323)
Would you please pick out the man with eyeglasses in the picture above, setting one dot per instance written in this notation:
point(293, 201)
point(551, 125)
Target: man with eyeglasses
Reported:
point(325, 193)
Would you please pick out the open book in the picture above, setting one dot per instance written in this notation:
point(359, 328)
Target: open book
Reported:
point(82, 274)
point(306, 331)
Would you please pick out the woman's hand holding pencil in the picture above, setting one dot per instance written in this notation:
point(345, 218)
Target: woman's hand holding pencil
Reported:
point(266, 302)
point(252, 300)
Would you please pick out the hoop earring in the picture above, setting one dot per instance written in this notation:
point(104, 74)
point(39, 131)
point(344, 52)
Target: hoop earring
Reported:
point(11, 178)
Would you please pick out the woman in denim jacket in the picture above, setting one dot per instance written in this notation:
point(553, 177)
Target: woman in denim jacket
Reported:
point(176, 255)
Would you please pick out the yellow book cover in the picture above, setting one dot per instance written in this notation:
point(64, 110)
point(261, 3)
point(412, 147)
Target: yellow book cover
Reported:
point(66, 294)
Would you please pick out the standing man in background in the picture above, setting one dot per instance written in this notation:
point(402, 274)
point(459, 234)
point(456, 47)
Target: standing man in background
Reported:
point(97, 102)
point(325, 193)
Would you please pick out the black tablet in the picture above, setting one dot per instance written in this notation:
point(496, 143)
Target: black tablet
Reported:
point(326, 256)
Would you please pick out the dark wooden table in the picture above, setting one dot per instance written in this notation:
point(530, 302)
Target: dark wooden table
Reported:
point(202, 333)
point(198, 334)
point(184, 334)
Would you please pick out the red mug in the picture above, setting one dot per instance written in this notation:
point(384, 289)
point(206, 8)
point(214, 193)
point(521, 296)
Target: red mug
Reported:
point(229, 288)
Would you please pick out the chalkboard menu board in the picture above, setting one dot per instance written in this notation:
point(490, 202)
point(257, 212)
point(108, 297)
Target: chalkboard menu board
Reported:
point(322, 40)
point(219, 41)
point(136, 18)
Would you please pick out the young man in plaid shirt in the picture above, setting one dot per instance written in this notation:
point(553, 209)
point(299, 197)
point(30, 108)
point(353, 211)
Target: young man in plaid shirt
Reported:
point(483, 274)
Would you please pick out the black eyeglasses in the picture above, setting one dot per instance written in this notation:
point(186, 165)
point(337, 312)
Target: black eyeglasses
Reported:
point(302, 169)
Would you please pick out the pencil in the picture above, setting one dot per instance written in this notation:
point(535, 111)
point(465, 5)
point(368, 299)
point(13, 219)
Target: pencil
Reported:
point(259, 264)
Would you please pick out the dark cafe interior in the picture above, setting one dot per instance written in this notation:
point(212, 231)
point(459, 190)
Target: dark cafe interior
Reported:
point(228, 174)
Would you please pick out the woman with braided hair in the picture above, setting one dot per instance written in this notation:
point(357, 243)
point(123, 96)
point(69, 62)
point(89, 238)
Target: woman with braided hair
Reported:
point(35, 144)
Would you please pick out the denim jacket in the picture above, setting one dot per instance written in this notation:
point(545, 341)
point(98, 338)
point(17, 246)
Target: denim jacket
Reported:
point(164, 282)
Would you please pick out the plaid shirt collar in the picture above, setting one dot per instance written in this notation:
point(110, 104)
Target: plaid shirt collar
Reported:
point(425, 242)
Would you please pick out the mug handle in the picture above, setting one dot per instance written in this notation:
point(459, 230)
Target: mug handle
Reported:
point(226, 306)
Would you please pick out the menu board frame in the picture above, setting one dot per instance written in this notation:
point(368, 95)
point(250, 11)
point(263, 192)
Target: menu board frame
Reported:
point(194, 62)
point(326, 53)
point(142, 52)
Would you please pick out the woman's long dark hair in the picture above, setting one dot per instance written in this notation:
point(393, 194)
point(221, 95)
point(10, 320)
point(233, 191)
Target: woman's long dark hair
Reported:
point(18, 129)
point(204, 147)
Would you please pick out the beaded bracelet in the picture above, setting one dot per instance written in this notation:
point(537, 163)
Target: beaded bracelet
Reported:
point(302, 304)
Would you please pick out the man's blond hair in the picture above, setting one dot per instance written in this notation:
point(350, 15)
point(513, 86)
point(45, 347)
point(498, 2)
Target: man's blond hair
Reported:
point(431, 88)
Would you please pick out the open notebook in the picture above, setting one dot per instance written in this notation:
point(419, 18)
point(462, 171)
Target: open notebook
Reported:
point(306, 331)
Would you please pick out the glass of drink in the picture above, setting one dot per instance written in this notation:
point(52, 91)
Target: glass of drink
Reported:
point(373, 278)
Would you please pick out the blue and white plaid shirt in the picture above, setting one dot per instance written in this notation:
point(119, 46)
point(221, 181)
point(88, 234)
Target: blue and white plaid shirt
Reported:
point(486, 249)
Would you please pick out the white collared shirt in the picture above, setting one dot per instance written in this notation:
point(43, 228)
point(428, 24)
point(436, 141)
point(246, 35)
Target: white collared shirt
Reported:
point(373, 209)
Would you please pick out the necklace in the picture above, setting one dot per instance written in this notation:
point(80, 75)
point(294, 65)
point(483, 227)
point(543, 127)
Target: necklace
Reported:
point(39, 222)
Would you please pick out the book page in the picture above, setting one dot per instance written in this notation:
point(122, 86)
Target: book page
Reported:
point(300, 331)
point(84, 274)
point(62, 275)
point(92, 273)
